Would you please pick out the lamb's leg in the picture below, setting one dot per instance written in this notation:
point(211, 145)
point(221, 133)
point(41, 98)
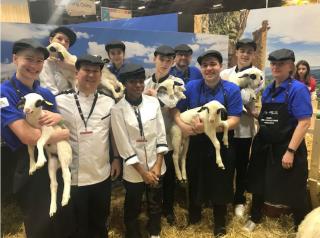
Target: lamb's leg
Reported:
point(65, 157)
point(186, 141)
point(32, 162)
point(225, 126)
point(176, 136)
point(52, 169)
point(212, 135)
point(40, 144)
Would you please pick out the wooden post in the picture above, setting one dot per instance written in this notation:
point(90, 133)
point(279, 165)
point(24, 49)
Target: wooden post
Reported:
point(314, 174)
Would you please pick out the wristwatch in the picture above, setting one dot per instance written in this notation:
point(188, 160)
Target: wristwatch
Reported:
point(291, 150)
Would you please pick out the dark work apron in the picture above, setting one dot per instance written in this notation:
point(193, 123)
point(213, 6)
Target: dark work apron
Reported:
point(206, 180)
point(266, 176)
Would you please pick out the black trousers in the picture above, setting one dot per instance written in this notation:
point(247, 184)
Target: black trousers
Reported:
point(91, 208)
point(242, 151)
point(33, 197)
point(169, 184)
point(132, 208)
point(257, 205)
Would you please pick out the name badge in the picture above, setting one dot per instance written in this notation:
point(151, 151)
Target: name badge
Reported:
point(86, 132)
point(4, 102)
point(142, 140)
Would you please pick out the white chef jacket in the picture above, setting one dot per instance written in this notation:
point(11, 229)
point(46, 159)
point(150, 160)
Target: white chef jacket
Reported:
point(52, 79)
point(167, 101)
point(90, 152)
point(127, 135)
point(246, 127)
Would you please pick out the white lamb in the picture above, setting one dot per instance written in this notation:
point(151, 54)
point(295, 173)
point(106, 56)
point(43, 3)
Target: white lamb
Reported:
point(172, 88)
point(310, 226)
point(32, 107)
point(250, 82)
point(210, 114)
point(108, 79)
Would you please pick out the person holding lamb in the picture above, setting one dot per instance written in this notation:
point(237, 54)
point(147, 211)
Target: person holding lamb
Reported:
point(206, 180)
point(245, 131)
point(163, 59)
point(86, 112)
point(32, 191)
point(51, 76)
point(140, 136)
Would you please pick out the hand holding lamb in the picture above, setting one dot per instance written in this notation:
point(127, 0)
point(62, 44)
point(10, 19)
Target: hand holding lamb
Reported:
point(32, 107)
point(210, 115)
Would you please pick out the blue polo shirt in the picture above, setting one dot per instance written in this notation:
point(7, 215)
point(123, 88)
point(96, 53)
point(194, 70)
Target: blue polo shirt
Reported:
point(114, 70)
point(11, 113)
point(191, 74)
point(198, 93)
point(299, 100)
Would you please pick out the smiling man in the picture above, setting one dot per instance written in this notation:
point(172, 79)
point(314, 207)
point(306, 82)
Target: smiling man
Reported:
point(86, 113)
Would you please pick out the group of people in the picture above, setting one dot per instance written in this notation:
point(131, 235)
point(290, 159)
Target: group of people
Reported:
point(131, 136)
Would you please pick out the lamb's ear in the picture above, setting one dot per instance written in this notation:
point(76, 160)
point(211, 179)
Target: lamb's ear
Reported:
point(60, 56)
point(253, 76)
point(203, 108)
point(20, 104)
point(244, 76)
point(162, 88)
point(177, 83)
point(223, 112)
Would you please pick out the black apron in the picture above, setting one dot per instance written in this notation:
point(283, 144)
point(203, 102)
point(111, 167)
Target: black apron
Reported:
point(206, 180)
point(266, 176)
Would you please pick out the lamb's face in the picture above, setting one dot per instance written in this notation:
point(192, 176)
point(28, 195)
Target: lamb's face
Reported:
point(251, 78)
point(56, 50)
point(33, 102)
point(215, 109)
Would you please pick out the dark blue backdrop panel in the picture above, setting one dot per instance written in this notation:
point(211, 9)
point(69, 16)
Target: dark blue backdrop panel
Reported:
point(164, 22)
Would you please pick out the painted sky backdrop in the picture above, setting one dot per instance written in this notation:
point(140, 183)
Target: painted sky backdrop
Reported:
point(140, 44)
point(295, 27)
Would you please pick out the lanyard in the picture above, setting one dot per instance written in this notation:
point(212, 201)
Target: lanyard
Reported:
point(138, 115)
point(19, 93)
point(85, 122)
point(275, 93)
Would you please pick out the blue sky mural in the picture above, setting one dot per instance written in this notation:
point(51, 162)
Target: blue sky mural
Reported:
point(140, 44)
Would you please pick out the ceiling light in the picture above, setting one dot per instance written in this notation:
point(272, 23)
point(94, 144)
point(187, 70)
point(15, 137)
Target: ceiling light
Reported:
point(97, 2)
point(216, 6)
point(141, 7)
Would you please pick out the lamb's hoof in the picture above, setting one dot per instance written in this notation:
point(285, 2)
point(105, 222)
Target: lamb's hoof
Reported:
point(40, 164)
point(183, 183)
point(53, 210)
point(32, 169)
point(222, 167)
point(65, 200)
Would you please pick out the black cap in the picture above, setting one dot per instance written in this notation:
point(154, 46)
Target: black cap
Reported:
point(67, 31)
point(89, 59)
point(131, 71)
point(282, 54)
point(115, 45)
point(165, 50)
point(212, 53)
point(246, 42)
point(24, 44)
point(183, 48)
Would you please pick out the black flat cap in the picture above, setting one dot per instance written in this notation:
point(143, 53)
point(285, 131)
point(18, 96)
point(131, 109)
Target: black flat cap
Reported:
point(67, 31)
point(115, 45)
point(183, 48)
point(89, 59)
point(24, 44)
point(165, 50)
point(131, 71)
point(246, 42)
point(212, 53)
point(282, 54)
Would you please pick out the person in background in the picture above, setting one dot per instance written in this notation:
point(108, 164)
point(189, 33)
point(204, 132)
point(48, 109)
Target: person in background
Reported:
point(163, 59)
point(116, 53)
point(140, 136)
point(278, 166)
point(50, 77)
point(303, 75)
point(245, 131)
point(86, 113)
point(182, 68)
point(205, 180)
point(32, 191)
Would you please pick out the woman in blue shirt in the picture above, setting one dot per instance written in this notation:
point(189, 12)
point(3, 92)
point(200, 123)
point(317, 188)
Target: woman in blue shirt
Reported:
point(206, 180)
point(278, 168)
